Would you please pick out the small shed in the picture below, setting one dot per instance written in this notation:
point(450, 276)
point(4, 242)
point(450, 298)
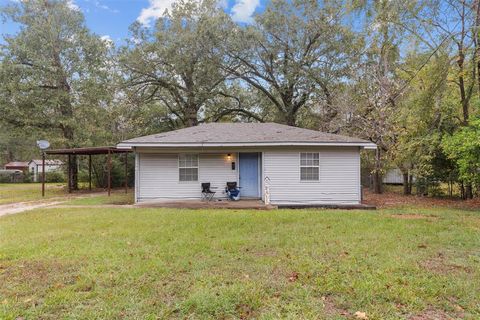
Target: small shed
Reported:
point(36, 167)
point(394, 176)
point(17, 165)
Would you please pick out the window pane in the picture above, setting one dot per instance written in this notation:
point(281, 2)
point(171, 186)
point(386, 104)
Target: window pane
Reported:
point(303, 159)
point(309, 173)
point(188, 174)
point(309, 159)
point(303, 174)
point(188, 160)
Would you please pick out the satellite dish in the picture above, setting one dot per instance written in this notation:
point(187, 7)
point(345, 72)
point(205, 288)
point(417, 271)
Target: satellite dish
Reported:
point(43, 144)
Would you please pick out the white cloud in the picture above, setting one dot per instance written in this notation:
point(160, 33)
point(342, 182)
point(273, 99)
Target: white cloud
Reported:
point(106, 38)
point(100, 5)
point(71, 4)
point(155, 10)
point(243, 10)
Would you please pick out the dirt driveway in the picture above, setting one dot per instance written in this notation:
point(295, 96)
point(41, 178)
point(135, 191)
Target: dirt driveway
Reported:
point(12, 208)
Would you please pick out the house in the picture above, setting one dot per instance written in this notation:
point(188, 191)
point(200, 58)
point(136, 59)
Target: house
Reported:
point(286, 165)
point(17, 165)
point(394, 176)
point(35, 167)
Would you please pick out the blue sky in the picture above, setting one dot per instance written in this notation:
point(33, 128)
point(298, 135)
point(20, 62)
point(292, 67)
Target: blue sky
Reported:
point(111, 18)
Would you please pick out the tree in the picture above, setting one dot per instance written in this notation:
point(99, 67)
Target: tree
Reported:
point(426, 113)
point(295, 55)
point(463, 147)
point(54, 73)
point(377, 87)
point(451, 26)
point(179, 64)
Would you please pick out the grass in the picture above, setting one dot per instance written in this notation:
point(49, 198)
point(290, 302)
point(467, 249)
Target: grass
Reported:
point(19, 192)
point(131, 263)
point(117, 198)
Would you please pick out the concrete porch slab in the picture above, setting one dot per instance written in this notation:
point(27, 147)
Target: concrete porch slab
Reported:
point(214, 204)
point(360, 206)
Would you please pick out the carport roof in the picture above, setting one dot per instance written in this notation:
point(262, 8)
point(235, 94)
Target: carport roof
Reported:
point(87, 151)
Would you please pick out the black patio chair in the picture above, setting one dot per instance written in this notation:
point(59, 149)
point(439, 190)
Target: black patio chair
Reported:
point(207, 193)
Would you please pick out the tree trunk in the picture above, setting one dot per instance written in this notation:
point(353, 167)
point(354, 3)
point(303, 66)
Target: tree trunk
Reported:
point(461, 84)
point(10, 156)
point(192, 116)
point(406, 186)
point(73, 168)
point(410, 183)
point(290, 119)
point(377, 176)
point(468, 191)
point(477, 40)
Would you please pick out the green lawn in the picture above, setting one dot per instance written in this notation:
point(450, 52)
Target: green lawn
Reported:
point(18, 192)
point(117, 198)
point(106, 263)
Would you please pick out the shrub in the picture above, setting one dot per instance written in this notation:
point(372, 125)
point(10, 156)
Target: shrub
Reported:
point(5, 177)
point(55, 176)
point(27, 177)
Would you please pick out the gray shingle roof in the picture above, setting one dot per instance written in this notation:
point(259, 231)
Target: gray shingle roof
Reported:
point(236, 133)
point(48, 162)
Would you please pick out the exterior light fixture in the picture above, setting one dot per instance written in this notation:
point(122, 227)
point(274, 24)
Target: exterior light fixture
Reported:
point(229, 156)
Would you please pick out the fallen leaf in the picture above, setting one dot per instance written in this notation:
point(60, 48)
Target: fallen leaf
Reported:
point(458, 308)
point(293, 277)
point(360, 315)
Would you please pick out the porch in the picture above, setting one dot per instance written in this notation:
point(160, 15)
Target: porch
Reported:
point(214, 204)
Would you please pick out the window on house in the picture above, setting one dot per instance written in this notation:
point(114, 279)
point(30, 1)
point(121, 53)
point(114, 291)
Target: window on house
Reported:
point(188, 167)
point(309, 166)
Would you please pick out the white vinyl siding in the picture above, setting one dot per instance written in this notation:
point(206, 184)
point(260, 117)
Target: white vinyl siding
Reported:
point(339, 172)
point(158, 176)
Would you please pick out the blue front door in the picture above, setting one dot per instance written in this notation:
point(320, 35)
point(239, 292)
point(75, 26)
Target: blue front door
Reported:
point(249, 174)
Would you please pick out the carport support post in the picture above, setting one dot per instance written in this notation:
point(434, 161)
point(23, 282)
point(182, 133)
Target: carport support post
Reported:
point(89, 172)
point(109, 161)
point(69, 174)
point(126, 172)
point(43, 174)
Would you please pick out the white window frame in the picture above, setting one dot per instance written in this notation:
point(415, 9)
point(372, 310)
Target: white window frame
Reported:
point(312, 165)
point(197, 166)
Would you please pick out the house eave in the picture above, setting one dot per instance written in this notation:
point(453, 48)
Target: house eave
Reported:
point(130, 145)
